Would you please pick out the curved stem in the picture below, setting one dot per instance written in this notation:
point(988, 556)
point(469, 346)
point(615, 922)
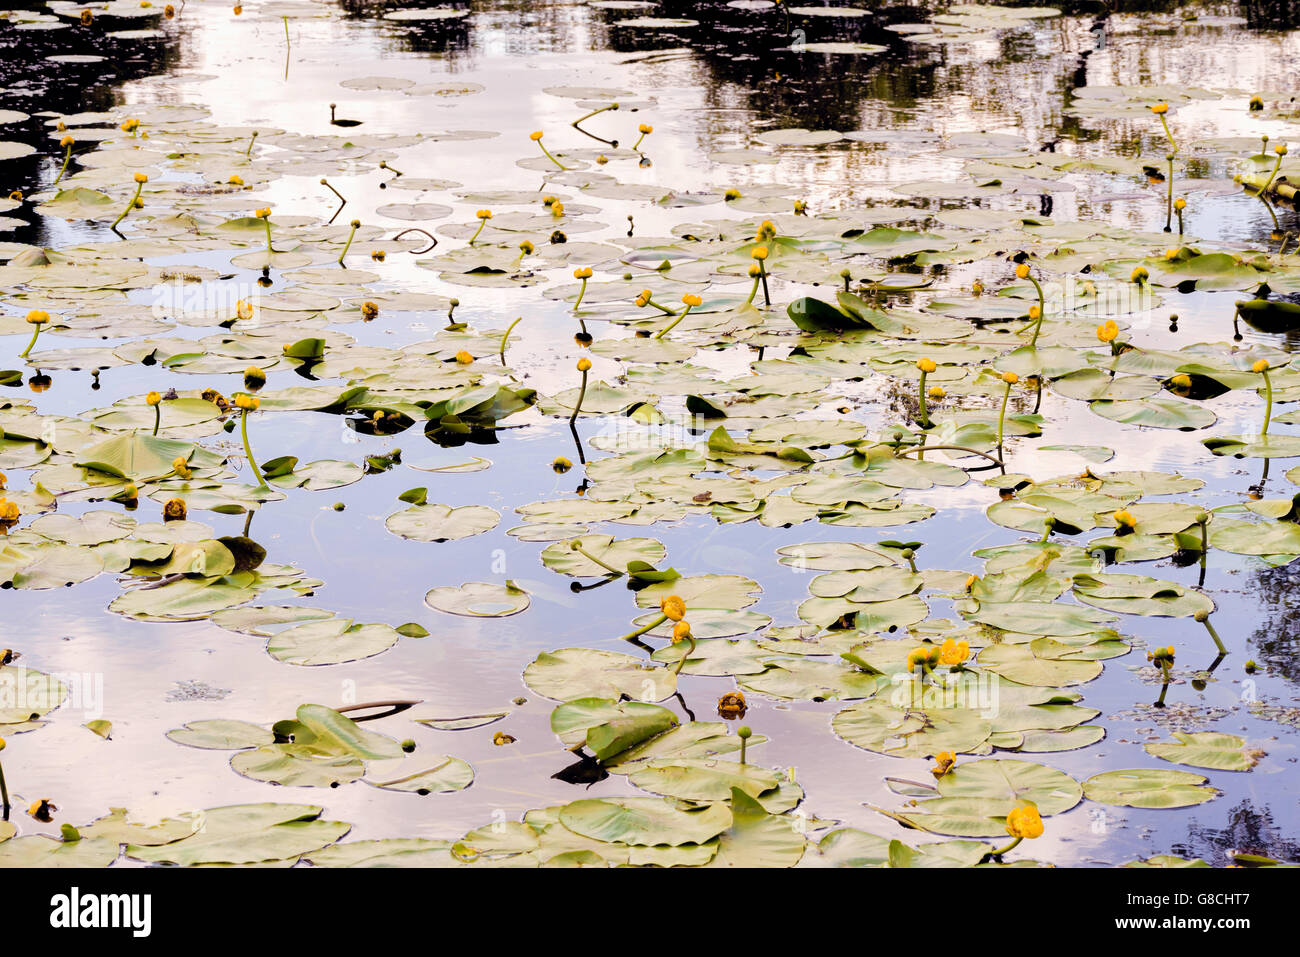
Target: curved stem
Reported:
point(267, 222)
point(35, 332)
point(550, 157)
point(1042, 312)
point(682, 660)
point(251, 140)
point(1173, 147)
point(594, 560)
point(67, 158)
point(129, 206)
point(669, 328)
point(4, 795)
point(506, 337)
point(577, 406)
point(944, 448)
point(1269, 182)
point(416, 229)
point(664, 309)
point(1218, 642)
point(1009, 847)
point(581, 292)
point(248, 449)
point(481, 224)
point(753, 291)
point(633, 635)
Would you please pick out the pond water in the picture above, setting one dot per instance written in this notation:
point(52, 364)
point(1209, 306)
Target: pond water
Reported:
point(979, 132)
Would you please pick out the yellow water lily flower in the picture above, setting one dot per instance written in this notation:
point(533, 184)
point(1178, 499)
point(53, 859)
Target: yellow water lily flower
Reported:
point(463, 358)
point(248, 403)
point(1024, 822)
point(953, 652)
point(584, 364)
point(691, 299)
point(673, 607)
point(681, 631)
point(1260, 365)
point(1160, 109)
point(1108, 330)
point(926, 365)
point(153, 398)
point(38, 317)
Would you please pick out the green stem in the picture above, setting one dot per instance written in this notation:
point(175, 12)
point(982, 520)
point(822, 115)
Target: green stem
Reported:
point(743, 743)
point(762, 275)
point(664, 309)
point(1009, 847)
point(581, 292)
point(35, 332)
point(505, 337)
point(157, 417)
point(1002, 414)
point(550, 157)
point(592, 558)
point(934, 448)
point(1269, 182)
point(1172, 145)
point(689, 651)
point(582, 393)
point(1042, 312)
point(129, 206)
point(1164, 687)
point(67, 158)
point(1169, 196)
point(669, 328)
point(248, 449)
point(753, 291)
point(637, 144)
point(641, 631)
point(251, 140)
point(925, 409)
point(1268, 403)
point(346, 246)
point(481, 224)
point(1218, 642)
point(269, 251)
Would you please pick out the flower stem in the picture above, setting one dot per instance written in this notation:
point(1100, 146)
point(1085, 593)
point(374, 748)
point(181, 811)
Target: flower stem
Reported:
point(35, 332)
point(669, 328)
point(129, 206)
point(550, 157)
point(1268, 403)
point(682, 660)
point(1172, 145)
point(631, 635)
point(346, 246)
point(1009, 847)
point(1002, 414)
point(1277, 163)
point(664, 309)
point(925, 411)
point(581, 292)
point(251, 140)
point(67, 158)
point(592, 558)
point(506, 336)
point(762, 275)
point(157, 417)
point(4, 795)
point(1042, 312)
point(248, 449)
point(582, 393)
point(481, 224)
point(1218, 642)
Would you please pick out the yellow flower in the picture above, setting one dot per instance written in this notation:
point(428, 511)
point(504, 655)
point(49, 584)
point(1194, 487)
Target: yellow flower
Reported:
point(181, 466)
point(254, 378)
point(691, 299)
point(526, 248)
point(500, 739)
point(925, 655)
point(1181, 381)
point(263, 213)
point(174, 510)
point(169, 11)
point(1010, 378)
point(483, 213)
point(583, 272)
point(1180, 204)
point(3, 479)
point(1139, 274)
point(732, 706)
point(9, 511)
point(369, 310)
point(86, 18)
point(463, 358)
point(584, 364)
point(235, 180)
point(936, 392)
point(67, 141)
point(378, 255)
point(243, 309)
point(759, 253)
point(645, 128)
point(557, 209)
point(943, 763)
point(731, 194)
point(1108, 330)
point(1025, 822)
point(766, 230)
point(141, 178)
point(1124, 518)
point(41, 808)
point(977, 287)
point(249, 403)
point(1256, 103)
point(954, 652)
point(755, 271)
point(1022, 271)
point(926, 365)
point(1160, 109)
point(681, 631)
point(602, 159)
point(800, 207)
point(1280, 149)
point(1260, 365)
point(1035, 313)
point(535, 135)
point(130, 125)
point(561, 465)
point(153, 398)
point(673, 607)
point(38, 317)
